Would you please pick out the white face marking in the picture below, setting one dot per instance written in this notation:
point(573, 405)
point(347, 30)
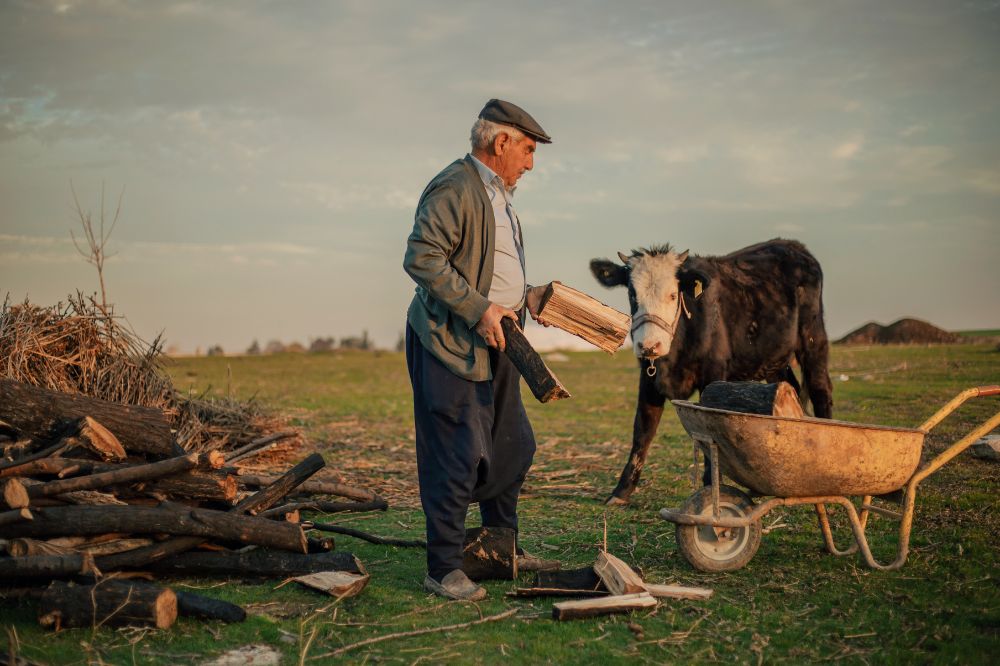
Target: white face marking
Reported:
point(654, 279)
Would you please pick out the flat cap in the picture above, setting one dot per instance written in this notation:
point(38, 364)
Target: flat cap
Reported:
point(506, 113)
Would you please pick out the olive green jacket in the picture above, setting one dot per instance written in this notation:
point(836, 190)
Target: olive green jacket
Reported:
point(449, 254)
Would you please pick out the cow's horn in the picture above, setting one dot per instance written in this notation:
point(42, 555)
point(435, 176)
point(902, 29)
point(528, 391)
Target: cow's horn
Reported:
point(621, 255)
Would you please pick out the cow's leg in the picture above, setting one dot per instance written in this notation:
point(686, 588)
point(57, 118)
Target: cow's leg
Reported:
point(813, 358)
point(648, 411)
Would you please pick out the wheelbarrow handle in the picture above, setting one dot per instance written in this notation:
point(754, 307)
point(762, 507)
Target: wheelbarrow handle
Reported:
point(956, 402)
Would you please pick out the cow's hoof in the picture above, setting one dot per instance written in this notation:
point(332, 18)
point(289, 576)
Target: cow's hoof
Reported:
point(614, 500)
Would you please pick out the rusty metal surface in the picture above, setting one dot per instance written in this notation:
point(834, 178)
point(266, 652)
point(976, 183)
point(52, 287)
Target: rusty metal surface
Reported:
point(805, 457)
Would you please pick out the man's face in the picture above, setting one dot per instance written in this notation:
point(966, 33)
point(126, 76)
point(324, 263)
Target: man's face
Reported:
point(515, 157)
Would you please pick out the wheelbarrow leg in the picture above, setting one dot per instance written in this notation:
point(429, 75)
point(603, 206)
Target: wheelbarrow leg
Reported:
point(824, 526)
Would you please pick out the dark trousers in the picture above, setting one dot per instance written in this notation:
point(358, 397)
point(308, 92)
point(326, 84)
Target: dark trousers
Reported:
point(474, 444)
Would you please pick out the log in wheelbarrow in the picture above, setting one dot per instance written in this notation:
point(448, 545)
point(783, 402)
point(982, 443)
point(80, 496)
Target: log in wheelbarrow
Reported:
point(802, 461)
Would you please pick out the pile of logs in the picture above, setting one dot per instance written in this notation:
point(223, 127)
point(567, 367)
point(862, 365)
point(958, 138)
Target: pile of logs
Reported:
point(92, 491)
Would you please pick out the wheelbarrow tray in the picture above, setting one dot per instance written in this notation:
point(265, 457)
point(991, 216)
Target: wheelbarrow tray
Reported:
point(805, 457)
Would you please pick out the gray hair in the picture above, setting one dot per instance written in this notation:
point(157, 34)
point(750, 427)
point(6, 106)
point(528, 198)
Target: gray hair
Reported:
point(484, 132)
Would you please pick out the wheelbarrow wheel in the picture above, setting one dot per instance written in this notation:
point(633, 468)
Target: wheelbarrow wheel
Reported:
point(713, 549)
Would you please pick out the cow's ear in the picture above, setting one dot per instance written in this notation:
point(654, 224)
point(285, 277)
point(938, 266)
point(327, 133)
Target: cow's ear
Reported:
point(692, 281)
point(609, 273)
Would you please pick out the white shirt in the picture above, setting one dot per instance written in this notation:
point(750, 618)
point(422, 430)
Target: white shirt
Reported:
point(507, 288)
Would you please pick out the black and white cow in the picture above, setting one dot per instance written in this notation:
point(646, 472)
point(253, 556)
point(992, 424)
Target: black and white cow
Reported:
point(696, 320)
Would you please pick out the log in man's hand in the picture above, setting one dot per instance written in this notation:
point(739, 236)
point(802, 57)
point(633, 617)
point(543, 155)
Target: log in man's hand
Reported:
point(489, 325)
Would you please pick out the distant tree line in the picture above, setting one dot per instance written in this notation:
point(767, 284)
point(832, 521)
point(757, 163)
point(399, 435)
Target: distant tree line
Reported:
point(327, 344)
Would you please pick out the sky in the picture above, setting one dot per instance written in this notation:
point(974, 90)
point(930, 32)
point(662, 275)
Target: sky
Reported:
point(272, 153)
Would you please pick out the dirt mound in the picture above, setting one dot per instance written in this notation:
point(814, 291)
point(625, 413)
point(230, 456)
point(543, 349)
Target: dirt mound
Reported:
point(903, 332)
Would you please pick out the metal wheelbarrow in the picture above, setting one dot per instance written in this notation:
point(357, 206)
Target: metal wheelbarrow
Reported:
point(802, 461)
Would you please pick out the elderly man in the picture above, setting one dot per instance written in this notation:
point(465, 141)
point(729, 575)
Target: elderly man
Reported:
point(473, 439)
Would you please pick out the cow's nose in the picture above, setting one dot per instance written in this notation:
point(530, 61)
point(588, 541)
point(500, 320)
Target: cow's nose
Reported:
point(651, 350)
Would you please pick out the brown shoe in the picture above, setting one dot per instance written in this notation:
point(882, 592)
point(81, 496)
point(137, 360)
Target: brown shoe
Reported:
point(455, 585)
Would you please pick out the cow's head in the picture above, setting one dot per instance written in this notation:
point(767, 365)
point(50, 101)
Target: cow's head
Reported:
point(661, 285)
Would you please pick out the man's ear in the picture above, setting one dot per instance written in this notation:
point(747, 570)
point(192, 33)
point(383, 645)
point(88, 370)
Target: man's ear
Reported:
point(501, 142)
point(692, 281)
point(609, 273)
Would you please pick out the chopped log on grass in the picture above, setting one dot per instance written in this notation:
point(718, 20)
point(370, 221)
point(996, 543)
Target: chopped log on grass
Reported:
point(13, 494)
point(364, 536)
point(190, 604)
point(130, 474)
point(617, 576)
point(112, 603)
point(259, 562)
point(41, 414)
point(15, 516)
point(544, 385)
point(86, 520)
point(778, 399)
point(623, 603)
point(262, 500)
point(489, 553)
point(678, 591)
point(584, 316)
point(340, 584)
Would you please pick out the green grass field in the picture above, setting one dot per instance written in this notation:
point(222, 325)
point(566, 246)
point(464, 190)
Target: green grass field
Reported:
point(793, 603)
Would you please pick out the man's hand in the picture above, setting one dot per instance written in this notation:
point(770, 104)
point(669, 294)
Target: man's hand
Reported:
point(489, 325)
point(533, 299)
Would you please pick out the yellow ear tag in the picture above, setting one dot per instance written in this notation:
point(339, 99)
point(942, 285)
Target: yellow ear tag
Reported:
point(697, 288)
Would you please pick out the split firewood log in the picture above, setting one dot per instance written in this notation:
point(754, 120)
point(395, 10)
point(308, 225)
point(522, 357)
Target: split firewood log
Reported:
point(13, 494)
point(571, 610)
point(617, 576)
point(98, 439)
point(584, 316)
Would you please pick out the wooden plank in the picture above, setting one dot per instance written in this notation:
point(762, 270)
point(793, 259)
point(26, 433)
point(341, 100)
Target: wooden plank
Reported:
point(544, 385)
point(624, 603)
point(617, 576)
point(677, 591)
point(584, 316)
point(340, 584)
